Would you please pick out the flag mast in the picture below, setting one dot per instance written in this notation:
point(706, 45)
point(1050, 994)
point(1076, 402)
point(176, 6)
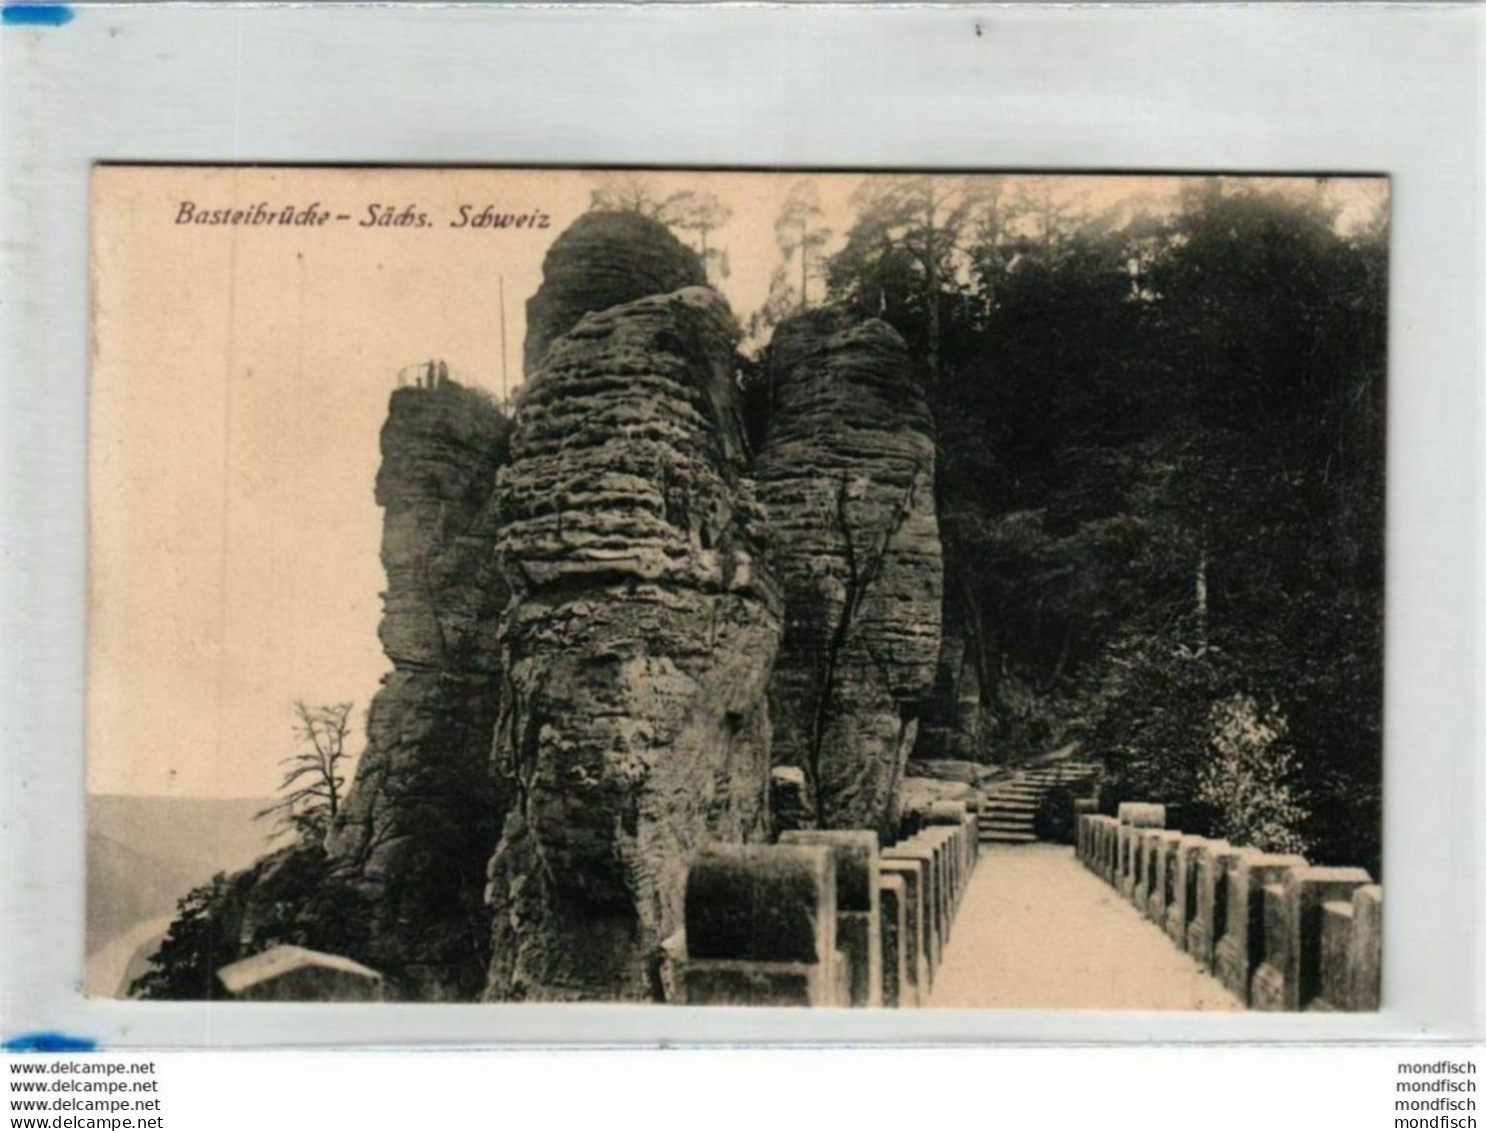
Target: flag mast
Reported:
point(503, 393)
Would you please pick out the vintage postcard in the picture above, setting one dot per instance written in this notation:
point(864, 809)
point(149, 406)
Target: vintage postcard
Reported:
point(774, 588)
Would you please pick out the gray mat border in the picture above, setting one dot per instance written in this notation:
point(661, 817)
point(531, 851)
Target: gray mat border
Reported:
point(1236, 88)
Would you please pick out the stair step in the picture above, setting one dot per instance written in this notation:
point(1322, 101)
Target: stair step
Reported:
point(1007, 838)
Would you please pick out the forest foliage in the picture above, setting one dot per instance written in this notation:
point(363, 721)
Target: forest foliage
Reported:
point(1160, 470)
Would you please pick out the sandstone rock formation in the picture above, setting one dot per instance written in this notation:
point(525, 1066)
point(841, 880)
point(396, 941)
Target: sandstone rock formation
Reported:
point(949, 769)
point(422, 816)
point(847, 475)
point(922, 793)
point(602, 260)
point(636, 649)
point(954, 724)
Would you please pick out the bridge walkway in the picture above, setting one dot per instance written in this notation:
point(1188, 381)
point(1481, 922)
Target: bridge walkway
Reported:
point(1037, 931)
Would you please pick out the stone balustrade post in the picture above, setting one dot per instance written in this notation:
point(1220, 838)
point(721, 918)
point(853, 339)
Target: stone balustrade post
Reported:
point(1142, 814)
point(1365, 955)
point(1289, 975)
point(1145, 879)
point(1134, 818)
point(973, 807)
point(1124, 861)
point(916, 973)
point(1161, 893)
point(1109, 849)
point(953, 815)
point(1241, 948)
point(909, 823)
point(1333, 990)
point(922, 857)
point(936, 839)
point(858, 911)
point(1212, 862)
point(1084, 810)
point(1134, 854)
point(891, 900)
point(760, 928)
point(1183, 905)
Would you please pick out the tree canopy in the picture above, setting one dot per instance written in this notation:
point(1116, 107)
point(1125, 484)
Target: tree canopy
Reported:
point(1161, 481)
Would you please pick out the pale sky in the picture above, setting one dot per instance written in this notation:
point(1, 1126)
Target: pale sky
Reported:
point(241, 377)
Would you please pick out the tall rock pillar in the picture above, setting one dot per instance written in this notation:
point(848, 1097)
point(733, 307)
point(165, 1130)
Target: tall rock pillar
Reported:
point(421, 817)
point(636, 649)
point(847, 475)
point(604, 259)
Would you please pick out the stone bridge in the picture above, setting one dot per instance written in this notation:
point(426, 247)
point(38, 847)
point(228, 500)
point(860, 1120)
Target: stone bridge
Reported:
point(1134, 916)
point(661, 645)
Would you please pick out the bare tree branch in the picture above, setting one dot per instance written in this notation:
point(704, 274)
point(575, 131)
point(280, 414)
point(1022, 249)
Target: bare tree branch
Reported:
point(309, 811)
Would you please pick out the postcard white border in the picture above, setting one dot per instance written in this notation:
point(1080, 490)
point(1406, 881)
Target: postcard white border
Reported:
point(1325, 88)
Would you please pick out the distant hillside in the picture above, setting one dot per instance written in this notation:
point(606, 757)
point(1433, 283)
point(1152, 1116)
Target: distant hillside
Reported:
point(144, 853)
point(111, 969)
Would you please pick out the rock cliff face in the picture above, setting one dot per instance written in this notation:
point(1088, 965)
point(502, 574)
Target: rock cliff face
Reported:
point(614, 642)
point(604, 259)
point(422, 816)
point(636, 649)
point(846, 473)
point(953, 725)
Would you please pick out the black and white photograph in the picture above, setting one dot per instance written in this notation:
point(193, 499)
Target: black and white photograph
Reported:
point(883, 589)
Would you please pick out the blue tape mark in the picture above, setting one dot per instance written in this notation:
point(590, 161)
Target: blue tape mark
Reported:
point(48, 1042)
point(36, 15)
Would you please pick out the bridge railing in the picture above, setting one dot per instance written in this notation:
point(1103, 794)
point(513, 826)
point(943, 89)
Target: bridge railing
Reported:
point(823, 917)
point(435, 374)
point(1280, 933)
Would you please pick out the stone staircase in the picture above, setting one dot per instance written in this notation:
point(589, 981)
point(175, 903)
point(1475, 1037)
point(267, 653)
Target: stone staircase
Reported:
point(1006, 814)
